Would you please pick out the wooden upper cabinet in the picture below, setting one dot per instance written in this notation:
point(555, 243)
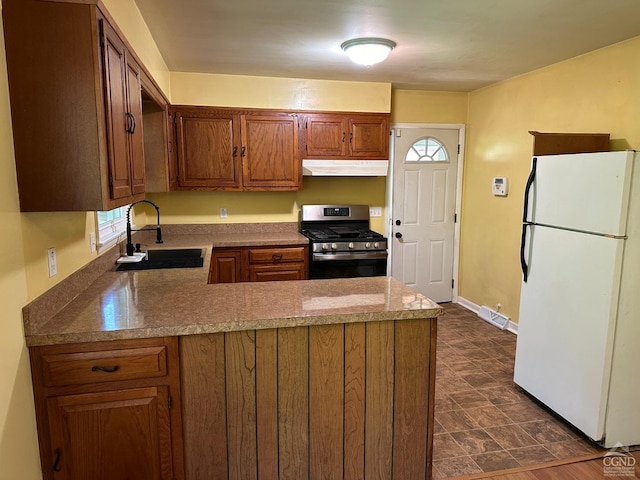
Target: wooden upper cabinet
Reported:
point(123, 103)
point(208, 150)
point(326, 135)
point(346, 136)
point(229, 149)
point(76, 107)
point(270, 152)
point(369, 136)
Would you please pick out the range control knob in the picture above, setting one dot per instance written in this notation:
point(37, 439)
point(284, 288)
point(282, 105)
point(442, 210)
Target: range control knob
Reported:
point(351, 245)
point(325, 246)
point(367, 245)
point(334, 246)
point(376, 245)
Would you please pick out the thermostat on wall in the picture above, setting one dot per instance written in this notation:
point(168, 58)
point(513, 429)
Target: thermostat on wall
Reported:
point(500, 186)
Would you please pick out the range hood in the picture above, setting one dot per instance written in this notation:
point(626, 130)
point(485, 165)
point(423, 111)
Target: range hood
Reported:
point(345, 168)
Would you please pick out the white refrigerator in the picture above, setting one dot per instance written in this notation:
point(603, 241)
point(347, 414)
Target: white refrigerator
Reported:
point(578, 346)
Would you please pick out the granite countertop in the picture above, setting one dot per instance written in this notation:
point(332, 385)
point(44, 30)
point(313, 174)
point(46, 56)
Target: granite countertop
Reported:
point(175, 302)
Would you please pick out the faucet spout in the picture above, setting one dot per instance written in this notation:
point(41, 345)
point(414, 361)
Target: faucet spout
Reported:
point(130, 247)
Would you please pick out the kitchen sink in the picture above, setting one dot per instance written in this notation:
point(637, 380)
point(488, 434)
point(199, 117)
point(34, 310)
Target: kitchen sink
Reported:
point(167, 258)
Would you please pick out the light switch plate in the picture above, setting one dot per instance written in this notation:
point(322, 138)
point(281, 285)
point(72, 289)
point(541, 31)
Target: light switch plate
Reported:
point(375, 211)
point(92, 242)
point(223, 212)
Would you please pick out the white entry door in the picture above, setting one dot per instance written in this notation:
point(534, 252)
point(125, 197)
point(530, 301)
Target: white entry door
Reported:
point(424, 196)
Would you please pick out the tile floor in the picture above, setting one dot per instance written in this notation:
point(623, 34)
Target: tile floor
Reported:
point(483, 421)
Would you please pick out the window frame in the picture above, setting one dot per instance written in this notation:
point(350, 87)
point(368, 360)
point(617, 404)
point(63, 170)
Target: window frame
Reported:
point(110, 232)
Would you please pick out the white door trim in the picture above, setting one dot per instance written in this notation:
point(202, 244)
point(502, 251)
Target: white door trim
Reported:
point(389, 200)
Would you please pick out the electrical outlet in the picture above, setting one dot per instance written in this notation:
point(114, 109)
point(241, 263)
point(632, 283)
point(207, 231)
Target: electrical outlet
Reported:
point(223, 212)
point(53, 264)
point(375, 211)
point(92, 242)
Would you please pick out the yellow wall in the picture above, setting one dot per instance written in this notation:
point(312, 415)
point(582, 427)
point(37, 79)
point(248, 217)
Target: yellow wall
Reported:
point(596, 92)
point(249, 207)
point(19, 457)
point(129, 20)
point(421, 106)
point(283, 93)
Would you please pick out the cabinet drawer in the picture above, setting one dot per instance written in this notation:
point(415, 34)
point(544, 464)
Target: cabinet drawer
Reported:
point(276, 255)
point(104, 366)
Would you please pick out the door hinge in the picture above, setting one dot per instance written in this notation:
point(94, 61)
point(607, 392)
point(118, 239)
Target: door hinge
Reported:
point(306, 124)
point(306, 148)
point(455, 218)
point(452, 282)
point(170, 402)
point(111, 179)
point(458, 149)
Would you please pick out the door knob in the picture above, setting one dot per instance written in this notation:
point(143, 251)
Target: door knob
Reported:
point(398, 235)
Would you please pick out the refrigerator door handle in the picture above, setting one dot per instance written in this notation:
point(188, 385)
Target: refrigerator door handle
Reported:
point(527, 188)
point(523, 260)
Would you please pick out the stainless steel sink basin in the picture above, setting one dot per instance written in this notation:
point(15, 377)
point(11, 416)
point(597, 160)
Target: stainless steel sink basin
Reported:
point(168, 258)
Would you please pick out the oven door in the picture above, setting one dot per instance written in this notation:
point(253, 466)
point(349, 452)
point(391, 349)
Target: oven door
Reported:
point(348, 265)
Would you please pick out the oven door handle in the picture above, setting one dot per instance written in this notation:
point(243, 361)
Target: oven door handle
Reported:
point(324, 257)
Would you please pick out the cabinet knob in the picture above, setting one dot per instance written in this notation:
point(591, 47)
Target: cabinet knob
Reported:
point(276, 257)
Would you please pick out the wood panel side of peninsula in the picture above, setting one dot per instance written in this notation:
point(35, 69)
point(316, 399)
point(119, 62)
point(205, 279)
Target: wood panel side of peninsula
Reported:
point(341, 401)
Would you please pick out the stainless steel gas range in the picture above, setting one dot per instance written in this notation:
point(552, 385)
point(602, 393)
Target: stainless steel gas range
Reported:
point(341, 243)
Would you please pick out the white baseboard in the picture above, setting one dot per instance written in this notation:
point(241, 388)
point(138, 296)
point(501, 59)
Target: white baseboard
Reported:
point(469, 305)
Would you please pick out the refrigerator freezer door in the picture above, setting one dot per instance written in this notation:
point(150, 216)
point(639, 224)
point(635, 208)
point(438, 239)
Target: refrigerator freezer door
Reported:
point(587, 192)
point(567, 319)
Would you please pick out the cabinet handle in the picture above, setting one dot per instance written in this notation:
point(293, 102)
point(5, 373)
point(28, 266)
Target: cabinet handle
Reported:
point(128, 127)
point(235, 152)
point(344, 136)
point(133, 127)
point(97, 368)
point(56, 462)
point(276, 257)
point(170, 146)
point(351, 137)
point(244, 152)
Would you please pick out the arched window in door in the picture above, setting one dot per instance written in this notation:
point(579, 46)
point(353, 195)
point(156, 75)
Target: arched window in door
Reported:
point(427, 149)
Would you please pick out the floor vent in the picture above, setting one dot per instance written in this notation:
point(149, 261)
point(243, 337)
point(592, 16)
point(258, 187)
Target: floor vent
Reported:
point(494, 318)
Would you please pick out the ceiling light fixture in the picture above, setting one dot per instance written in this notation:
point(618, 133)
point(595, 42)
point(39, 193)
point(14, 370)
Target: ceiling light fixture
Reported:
point(368, 51)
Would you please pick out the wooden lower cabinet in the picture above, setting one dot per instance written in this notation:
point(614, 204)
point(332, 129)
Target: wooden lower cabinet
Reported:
point(340, 401)
point(109, 410)
point(259, 264)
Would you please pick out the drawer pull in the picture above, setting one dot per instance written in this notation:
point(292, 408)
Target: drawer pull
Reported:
point(105, 369)
point(56, 463)
point(276, 257)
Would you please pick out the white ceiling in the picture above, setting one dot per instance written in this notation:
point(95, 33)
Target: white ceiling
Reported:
point(453, 45)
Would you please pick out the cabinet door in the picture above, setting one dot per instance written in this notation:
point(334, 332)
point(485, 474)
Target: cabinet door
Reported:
point(118, 122)
point(369, 136)
point(123, 434)
point(270, 152)
point(279, 272)
point(136, 137)
point(208, 151)
point(226, 267)
point(326, 136)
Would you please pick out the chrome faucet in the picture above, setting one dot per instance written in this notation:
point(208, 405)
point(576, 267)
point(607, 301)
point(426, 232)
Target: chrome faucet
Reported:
point(130, 248)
